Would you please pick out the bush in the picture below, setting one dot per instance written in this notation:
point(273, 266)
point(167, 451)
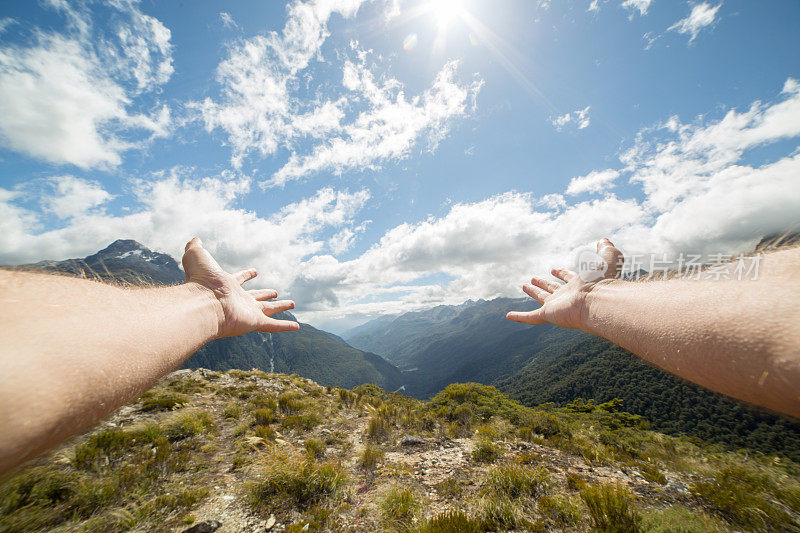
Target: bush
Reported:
point(611, 508)
point(289, 405)
point(485, 452)
point(450, 522)
point(164, 401)
point(305, 421)
point(370, 456)
point(545, 424)
point(264, 417)
point(265, 432)
point(289, 481)
point(483, 400)
point(516, 481)
point(400, 504)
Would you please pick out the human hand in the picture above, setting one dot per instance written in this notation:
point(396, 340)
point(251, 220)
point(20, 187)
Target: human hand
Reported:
point(240, 311)
point(565, 304)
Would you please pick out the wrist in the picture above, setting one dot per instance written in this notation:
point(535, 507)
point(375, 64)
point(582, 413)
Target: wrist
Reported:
point(209, 308)
point(596, 297)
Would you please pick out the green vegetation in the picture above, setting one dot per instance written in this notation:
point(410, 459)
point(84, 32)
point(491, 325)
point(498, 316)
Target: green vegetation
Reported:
point(163, 402)
point(515, 481)
point(318, 459)
point(292, 481)
point(611, 508)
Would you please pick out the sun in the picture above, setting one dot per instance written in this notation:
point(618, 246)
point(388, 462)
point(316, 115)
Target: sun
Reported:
point(445, 11)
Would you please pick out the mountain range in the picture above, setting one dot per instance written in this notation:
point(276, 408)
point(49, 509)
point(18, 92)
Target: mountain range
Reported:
point(422, 352)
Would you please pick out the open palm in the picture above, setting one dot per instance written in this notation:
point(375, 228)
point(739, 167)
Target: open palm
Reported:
point(564, 304)
point(243, 311)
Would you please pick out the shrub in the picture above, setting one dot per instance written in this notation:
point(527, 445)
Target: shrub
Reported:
point(264, 417)
point(164, 401)
point(370, 456)
point(400, 504)
point(450, 522)
point(263, 401)
point(315, 448)
point(545, 424)
point(485, 452)
point(463, 415)
point(611, 508)
point(290, 481)
point(483, 400)
point(516, 481)
point(651, 473)
point(232, 411)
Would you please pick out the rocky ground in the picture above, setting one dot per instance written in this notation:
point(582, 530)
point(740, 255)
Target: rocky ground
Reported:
point(427, 464)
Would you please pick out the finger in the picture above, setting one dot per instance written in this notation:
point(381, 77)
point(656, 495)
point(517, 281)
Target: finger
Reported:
point(529, 317)
point(273, 326)
point(546, 284)
point(192, 243)
point(270, 308)
point(244, 275)
point(563, 274)
point(263, 294)
point(612, 256)
point(536, 293)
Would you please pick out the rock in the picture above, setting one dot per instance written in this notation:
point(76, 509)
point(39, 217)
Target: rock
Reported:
point(209, 526)
point(410, 440)
point(270, 522)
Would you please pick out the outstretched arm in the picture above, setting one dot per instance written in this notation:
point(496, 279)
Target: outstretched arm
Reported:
point(73, 350)
point(737, 337)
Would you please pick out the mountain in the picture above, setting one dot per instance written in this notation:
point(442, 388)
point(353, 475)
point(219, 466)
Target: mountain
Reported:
point(123, 260)
point(310, 352)
point(590, 367)
point(386, 334)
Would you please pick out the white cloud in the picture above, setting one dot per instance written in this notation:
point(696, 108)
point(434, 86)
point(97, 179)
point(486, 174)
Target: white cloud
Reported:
point(72, 197)
point(702, 15)
point(593, 182)
point(260, 110)
point(65, 97)
point(578, 119)
point(637, 5)
point(172, 207)
point(390, 126)
point(227, 21)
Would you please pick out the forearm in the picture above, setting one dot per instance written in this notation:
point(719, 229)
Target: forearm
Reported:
point(740, 338)
point(73, 350)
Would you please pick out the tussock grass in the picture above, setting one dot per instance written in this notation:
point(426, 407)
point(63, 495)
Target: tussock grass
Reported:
point(611, 509)
point(164, 401)
point(515, 481)
point(399, 505)
point(370, 456)
point(486, 452)
point(561, 510)
point(450, 522)
point(288, 481)
point(264, 417)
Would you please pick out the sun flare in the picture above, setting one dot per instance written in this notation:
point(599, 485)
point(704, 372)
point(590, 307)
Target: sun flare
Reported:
point(445, 11)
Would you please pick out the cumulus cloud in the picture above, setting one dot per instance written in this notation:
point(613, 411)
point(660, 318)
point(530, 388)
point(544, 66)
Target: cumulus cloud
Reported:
point(170, 208)
point(698, 197)
point(71, 197)
point(595, 181)
point(260, 108)
point(578, 119)
point(66, 97)
point(702, 15)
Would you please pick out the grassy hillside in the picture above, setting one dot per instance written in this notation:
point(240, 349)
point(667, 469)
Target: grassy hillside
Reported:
point(590, 367)
point(250, 451)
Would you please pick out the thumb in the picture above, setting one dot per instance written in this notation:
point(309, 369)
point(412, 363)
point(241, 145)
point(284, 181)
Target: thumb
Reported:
point(612, 256)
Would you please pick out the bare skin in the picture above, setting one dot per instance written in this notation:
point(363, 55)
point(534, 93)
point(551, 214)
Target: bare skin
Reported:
point(105, 345)
point(737, 337)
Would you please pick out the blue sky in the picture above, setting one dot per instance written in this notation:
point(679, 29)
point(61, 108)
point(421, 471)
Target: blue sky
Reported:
point(378, 156)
